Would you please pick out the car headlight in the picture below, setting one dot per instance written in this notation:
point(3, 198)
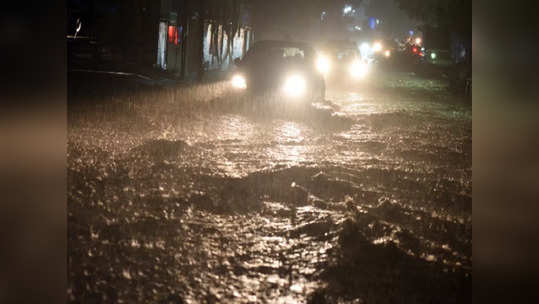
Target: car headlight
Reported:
point(387, 53)
point(377, 46)
point(322, 64)
point(432, 55)
point(239, 82)
point(359, 69)
point(365, 48)
point(295, 86)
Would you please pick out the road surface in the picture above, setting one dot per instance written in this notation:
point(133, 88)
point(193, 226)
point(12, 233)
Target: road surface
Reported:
point(181, 197)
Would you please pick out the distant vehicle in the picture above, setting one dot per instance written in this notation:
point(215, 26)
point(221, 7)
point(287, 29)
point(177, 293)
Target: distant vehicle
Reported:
point(384, 50)
point(413, 53)
point(340, 60)
point(439, 57)
point(284, 69)
point(377, 50)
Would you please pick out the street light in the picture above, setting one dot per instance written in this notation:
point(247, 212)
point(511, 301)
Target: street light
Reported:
point(323, 16)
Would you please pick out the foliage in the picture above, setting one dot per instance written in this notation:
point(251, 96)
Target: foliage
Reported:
point(454, 15)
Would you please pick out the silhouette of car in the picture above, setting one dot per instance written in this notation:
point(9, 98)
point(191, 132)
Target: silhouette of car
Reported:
point(340, 61)
point(283, 69)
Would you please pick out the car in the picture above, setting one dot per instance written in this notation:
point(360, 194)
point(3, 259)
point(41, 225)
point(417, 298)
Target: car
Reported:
point(340, 61)
point(439, 57)
point(283, 69)
point(384, 50)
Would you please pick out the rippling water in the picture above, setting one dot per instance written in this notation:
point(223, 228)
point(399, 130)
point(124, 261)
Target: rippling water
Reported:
point(364, 198)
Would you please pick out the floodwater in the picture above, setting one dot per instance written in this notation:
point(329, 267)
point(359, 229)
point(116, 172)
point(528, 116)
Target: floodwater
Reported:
point(364, 198)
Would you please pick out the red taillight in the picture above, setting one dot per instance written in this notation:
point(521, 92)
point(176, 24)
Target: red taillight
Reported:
point(414, 50)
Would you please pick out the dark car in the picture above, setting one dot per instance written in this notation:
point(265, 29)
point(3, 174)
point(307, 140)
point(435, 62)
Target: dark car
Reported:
point(283, 69)
point(341, 61)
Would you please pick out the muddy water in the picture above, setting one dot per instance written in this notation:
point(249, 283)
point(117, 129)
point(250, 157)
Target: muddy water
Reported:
point(364, 198)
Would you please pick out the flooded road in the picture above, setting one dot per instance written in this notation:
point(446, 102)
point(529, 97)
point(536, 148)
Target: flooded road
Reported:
point(364, 198)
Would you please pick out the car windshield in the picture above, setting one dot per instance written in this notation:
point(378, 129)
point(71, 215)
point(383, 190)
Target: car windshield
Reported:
point(277, 54)
point(344, 54)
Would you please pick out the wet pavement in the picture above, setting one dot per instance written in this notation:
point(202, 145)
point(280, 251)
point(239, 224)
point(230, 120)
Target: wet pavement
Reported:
point(196, 197)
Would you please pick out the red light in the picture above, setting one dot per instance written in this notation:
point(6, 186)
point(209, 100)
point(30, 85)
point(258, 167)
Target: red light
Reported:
point(172, 34)
point(414, 50)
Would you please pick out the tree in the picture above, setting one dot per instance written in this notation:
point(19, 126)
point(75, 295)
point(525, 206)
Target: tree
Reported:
point(453, 15)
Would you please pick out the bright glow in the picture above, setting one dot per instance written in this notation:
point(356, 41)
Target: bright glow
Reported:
point(365, 48)
point(414, 50)
point(377, 21)
point(377, 46)
point(347, 9)
point(322, 64)
point(295, 86)
point(433, 56)
point(418, 40)
point(359, 69)
point(422, 49)
point(238, 82)
point(387, 53)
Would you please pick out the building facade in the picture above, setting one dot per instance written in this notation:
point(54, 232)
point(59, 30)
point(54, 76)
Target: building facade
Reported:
point(185, 38)
point(195, 37)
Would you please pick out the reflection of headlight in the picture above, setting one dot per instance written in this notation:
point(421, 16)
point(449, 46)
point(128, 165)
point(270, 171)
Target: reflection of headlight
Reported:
point(387, 53)
point(359, 69)
point(239, 82)
point(294, 86)
point(322, 64)
point(377, 47)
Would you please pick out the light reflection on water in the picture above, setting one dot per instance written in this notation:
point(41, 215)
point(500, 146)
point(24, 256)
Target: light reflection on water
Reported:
point(395, 149)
